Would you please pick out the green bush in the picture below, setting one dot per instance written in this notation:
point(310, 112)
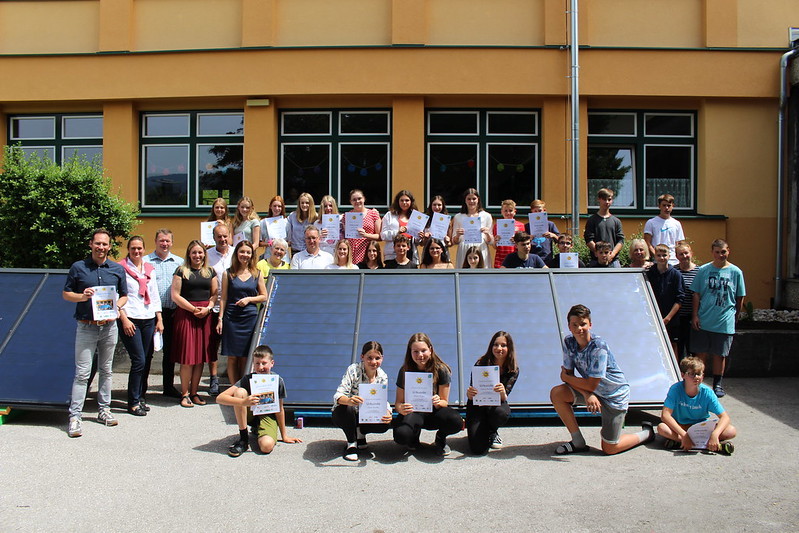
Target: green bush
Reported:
point(47, 211)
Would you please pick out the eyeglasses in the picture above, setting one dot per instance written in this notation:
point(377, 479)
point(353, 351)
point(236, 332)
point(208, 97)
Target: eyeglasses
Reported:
point(694, 375)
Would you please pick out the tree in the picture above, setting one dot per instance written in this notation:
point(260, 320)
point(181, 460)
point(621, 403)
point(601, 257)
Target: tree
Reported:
point(47, 211)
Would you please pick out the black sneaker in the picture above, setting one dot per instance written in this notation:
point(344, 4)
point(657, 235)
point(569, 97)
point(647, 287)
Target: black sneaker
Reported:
point(362, 444)
point(719, 390)
point(238, 448)
point(351, 453)
point(496, 442)
point(442, 446)
point(726, 448)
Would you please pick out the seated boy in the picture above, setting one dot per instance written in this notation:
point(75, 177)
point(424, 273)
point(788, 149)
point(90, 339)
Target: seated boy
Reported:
point(604, 256)
point(603, 389)
point(667, 284)
point(565, 245)
point(402, 247)
point(687, 403)
point(240, 398)
point(522, 258)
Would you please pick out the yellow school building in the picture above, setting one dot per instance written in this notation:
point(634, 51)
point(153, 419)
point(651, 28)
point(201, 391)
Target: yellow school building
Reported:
point(187, 100)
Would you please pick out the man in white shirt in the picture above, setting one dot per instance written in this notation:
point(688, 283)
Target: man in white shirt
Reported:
point(312, 257)
point(219, 259)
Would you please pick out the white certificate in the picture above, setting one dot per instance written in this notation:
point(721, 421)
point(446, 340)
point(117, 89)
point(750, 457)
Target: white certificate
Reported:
point(374, 406)
point(237, 238)
point(352, 223)
point(104, 302)
point(569, 260)
point(207, 232)
point(506, 229)
point(484, 379)
point(700, 433)
point(275, 227)
point(266, 387)
point(439, 226)
point(472, 227)
point(539, 224)
point(419, 391)
point(417, 222)
point(331, 223)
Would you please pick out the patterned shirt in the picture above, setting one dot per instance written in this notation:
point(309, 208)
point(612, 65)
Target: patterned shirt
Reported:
point(164, 270)
point(597, 361)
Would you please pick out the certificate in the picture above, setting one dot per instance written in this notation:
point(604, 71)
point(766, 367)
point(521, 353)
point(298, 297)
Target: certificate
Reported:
point(439, 226)
point(207, 232)
point(506, 229)
point(569, 260)
point(266, 387)
point(375, 403)
point(700, 433)
point(419, 391)
point(352, 223)
point(237, 238)
point(473, 234)
point(275, 227)
point(331, 223)
point(484, 379)
point(539, 224)
point(104, 302)
point(417, 222)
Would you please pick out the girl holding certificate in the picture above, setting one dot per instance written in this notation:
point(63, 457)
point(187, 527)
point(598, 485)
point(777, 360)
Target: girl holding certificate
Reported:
point(369, 231)
point(277, 208)
point(419, 405)
point(396, 221)
point(327, 240)
point(304, 216)
point(483, 421)
point(437, 205)
point(246, 222)
point(347, 400)
point(435, 255)
point(463, 231)
point(219, 214)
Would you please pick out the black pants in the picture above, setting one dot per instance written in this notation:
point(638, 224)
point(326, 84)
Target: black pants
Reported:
point(346, 417)
point(684, 338)
point(482, 421)
point(167, 316)
point(408, 428)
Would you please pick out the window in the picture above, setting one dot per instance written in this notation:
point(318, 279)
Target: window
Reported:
point(59, 137)
point(333, 152)
point(191, 158)
point(641, 155)
point(495, 152)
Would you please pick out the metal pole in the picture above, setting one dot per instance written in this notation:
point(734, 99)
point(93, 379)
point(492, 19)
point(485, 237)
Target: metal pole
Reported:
point(574, 46)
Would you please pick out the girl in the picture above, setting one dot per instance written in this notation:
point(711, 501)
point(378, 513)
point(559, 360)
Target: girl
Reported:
point(639, 254)
point(140, 317)
point(194, 291)
point(482, 421)
point(472, 207)
point(374, 257)
point(435, 255)
point(276, 260)
point(327, 206)
point(219, 212)
point(277, 208)
point(304, 216)
point(242, 289)
point(370, 231)
point(346, 399)
point(436, 206)
point(396, 221)
point(473, 259)
point(343, 256)
point(246, 221)
point(420, 356)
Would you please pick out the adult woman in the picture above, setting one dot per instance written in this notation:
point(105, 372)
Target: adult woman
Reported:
point(343, 256)
point(327, 206)
point(435, 255)
point(276, 259)
point(194, 291)
point(347, 399)
point(396, 221)
point(138, 319)
point(373, 259)
point(246, 221)
point(472, 207)
point(369, 231)
point(304, 216)
point(639, 254)
point(242, 289)
point(277, 208)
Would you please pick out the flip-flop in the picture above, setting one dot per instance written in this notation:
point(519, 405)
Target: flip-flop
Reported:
point(569, 448)
point(188, 401)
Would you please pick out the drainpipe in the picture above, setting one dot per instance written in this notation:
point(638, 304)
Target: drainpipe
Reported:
point(574, 47)
point(781, 141)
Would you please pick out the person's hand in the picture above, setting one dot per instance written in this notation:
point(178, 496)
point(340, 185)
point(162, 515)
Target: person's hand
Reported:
point(219, 327)
point(252, 399)
point(128, 327)
point(243, 302)
point(159, 326)
point(713, 443)
point(362, 232)
point(386, 418)
point(291, 440)
point(592, 403)
point(563, 374)
point(460, 231)
point(201, 312)
point(403, 229)
point(500, 388)
point(324, 233)
point(695, 323)
point(88, 292)
point(686, 443)
point(404, 408)
point(471, 392)
point(666, 320)
point(355, 400)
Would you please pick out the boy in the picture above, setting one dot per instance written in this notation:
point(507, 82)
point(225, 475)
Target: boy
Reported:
point(522, 258)
point(663, 229)
point(542, 244)
point(508, 212)
point(604, 256)
point(719, 293)
point(565, 244)
point(402, 245)
point(602, 226)
point(603, 389)
point(688, 269)
point(667, 284)
point(240, 398)
point(688, 403)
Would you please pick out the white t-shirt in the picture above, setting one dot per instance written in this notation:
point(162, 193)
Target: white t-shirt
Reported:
point(665, 231)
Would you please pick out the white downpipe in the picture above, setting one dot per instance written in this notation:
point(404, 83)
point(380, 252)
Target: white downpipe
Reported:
point(574, 47)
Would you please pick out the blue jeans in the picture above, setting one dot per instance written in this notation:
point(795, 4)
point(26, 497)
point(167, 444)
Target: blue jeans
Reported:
point(138, 346)
point(89, 338)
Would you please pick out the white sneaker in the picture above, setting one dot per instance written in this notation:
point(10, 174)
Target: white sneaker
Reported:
point(105, 417)
point(75, 427)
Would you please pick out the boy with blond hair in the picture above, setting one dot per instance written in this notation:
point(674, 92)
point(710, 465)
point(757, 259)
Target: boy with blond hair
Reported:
point(542, 244)
point(502, 251)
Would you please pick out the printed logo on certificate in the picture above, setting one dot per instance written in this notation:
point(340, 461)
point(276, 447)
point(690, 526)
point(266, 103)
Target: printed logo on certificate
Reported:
point(416, 222)
point(439, 226)
point(331, 223)
point(352, 223)
point(237, 238)
point(419, 391)
point(275, 227)
point(104, 302)
point(506, 229)
point(207, 232)
point(266, 387)
point(700, 433)
point(472, 228)
point(484, 379)
point(539, 223)
point(569, 260)
point(375, 403)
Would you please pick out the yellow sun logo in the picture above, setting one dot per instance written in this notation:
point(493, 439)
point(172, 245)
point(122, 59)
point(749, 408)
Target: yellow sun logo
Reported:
point(418, 380)
point(485, 374)
point(373, 392)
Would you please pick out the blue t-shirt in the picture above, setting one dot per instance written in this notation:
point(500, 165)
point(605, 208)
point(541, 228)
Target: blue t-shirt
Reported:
point(688, 410)
point(597, 361)
point(718, 289)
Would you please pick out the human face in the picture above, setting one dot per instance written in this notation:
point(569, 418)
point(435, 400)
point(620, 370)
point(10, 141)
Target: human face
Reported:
point(471, 203)
point(244, 255)
point(262, 365)
point(508, 211)
point(342, 251)
point(244, 209)
point(580, 327)
point(220, 211)
point(100, 245)
point(662, 257)
point(404, 203)
point(401, 249)
point(305, 204)
point(565, 246)
point(197, 256)
point(135, 250)
point(665, 209)
point(371, 253)
point(312, 241)
point(720, 254)
point(163, 243)
point(421, 354)
point(276, 208)
point(523, 248)
point(358, 201)
point(638, 253)
point(500, 349)
point(537, 209)
point(603, 257)
point(473, 260)
point(372, 360)
point(327, 208)
point(278, 251)
point(691, 377)
point(605, 203)
point(684, 256)
point(435, 251)
point(221, 237)
point(437, 206)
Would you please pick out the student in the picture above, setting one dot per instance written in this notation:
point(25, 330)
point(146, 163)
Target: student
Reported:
point(402, 247)
point(688, 269)
point(473, 259)
point(435, 255)
point(369, 231)
point(604, 256)
point(327, 206)
point(298, 222)
point(508, 212)
point(395, 222)
point(436, 205)
point(373, 260)
point(420, 356)
point(667, 284)
point(219, 213)
point(522, 258)
point(542, 244)
point(639, 254)
point(565, 245)
point(240, 397)
point(602, 388)
point(246, 221)
point(346, 399)
point(277, 208)
point(687, 403)
point(602, 226)
point(663, 229)
point(719, 292)
point(343, 257)
point(483, 421)
point(472, 207)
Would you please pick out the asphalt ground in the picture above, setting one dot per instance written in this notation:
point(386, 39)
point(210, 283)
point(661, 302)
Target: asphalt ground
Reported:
point(169, 471)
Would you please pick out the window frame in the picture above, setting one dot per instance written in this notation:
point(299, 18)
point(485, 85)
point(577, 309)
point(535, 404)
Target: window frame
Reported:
point(56, 143)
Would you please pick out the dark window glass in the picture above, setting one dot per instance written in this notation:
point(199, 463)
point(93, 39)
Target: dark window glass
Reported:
point(611, 124)
point(365, 167)
point(306, 124)
point(166, 178)
point(219, 172)
point(42, 152)
point(613, 168)
point(452, 123)
point(669, 169)
point(83, 128)
point(306, 168)
point(668, 125)
point(33, 128)
point(227, 124)
point(88, 152)
point(452, 169)
point(166, 125)
point(511, 173)
point(364, 123)
point(511, 123)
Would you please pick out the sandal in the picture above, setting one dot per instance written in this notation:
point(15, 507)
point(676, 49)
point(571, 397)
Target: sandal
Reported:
point(669, 444)
point(137, 410)
point(196, 399)
point(185, 401)
point(569, 447)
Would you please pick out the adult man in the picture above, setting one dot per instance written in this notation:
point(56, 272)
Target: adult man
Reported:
point(312, 257)
point(219, 258)
point(84, 278)
point(165, 263)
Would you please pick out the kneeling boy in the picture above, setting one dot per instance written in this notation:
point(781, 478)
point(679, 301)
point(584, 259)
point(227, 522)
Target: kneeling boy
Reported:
point(688, 402)
point(603, 389)
point(240, 397)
